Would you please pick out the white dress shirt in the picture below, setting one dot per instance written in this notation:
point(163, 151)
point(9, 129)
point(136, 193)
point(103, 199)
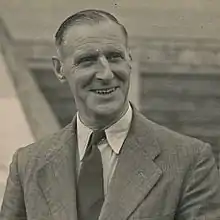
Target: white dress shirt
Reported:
point(109, 148)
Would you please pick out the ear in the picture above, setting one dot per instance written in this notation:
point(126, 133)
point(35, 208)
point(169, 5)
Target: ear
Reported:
point(129, 55)
point(130, 59)
point(58, 70)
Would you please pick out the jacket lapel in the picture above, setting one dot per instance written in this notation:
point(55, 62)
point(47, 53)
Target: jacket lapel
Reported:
point(135, 175)
point(136, 172)
point(57, 179)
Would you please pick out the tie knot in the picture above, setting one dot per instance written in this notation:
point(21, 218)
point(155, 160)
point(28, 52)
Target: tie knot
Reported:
point(97, 136)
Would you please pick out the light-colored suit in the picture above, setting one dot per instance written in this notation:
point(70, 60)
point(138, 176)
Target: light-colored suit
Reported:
point(160, 175)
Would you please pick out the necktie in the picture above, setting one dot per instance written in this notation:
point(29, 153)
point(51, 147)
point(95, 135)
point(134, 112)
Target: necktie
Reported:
point(90, 191)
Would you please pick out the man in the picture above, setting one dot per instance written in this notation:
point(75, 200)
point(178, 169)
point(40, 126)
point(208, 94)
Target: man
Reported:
point(110, 162)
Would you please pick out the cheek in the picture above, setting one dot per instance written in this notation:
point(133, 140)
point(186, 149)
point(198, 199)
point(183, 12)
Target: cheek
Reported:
point(122, 72)
point(80, 78)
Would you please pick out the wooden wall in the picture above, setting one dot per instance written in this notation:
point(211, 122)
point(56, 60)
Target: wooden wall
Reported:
point(187, 103)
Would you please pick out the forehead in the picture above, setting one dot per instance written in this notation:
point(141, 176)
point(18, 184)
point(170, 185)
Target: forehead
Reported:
point(93, 37)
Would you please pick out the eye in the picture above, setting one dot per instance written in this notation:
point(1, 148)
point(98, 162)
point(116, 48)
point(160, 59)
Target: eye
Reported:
point(114, 56)
point(86, 60)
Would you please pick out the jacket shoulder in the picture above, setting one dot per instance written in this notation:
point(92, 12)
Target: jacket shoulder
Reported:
point(39, 151)
point(172, 142)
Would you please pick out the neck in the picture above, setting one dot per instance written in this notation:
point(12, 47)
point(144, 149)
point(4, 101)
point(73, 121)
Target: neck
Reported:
point(101, 122)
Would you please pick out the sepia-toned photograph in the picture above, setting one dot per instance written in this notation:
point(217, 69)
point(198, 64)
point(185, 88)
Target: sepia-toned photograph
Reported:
point(109, 110)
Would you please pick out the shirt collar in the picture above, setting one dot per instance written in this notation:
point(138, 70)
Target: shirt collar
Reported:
point(115, 134)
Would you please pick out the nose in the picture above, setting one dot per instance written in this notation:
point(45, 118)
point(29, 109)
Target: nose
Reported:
point(105, 72)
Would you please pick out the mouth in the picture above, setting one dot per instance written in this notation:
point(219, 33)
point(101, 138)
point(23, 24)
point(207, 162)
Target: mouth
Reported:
point(105, 91)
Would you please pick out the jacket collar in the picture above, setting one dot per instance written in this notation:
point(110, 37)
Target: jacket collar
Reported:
point(57, 180)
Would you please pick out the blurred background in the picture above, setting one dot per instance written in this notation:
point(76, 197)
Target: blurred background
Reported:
point(176, 79)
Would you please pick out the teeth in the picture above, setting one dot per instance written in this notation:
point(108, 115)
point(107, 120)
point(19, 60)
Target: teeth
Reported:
point(105, 91)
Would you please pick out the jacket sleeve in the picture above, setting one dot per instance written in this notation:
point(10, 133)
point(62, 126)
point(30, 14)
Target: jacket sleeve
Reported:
point(201, 193)
point(13, 205)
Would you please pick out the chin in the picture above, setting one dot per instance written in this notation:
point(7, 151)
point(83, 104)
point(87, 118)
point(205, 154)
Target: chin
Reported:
point(112, 110)
point(106, 110)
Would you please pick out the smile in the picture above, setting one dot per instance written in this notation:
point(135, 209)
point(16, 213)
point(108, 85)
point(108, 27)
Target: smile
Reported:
point(106, 91)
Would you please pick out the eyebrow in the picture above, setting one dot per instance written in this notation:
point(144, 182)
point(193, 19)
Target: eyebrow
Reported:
point(85, 53)
point(92, 52)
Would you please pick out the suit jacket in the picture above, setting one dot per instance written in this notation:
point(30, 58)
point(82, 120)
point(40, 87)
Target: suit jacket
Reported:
point(160, 175)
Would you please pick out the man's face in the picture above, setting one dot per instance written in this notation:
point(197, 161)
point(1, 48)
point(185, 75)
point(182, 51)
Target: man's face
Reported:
point(97, 67)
